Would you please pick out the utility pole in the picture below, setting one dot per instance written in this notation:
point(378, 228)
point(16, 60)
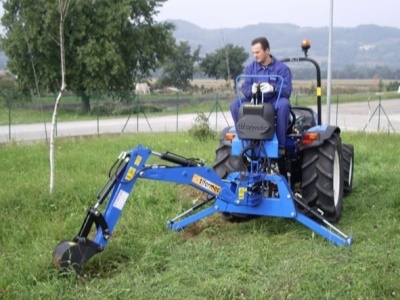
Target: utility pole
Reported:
point(329, 79)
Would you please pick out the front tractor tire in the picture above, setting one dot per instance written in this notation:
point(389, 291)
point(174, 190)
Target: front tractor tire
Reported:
point(322, 178)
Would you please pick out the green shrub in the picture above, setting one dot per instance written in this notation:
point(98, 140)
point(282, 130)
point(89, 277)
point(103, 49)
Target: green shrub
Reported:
point(201, 128)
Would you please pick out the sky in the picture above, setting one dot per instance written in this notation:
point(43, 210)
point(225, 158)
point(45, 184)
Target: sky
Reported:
point(217, 14)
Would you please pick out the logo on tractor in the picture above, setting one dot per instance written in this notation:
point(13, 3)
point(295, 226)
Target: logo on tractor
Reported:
point(208, 185)
point(244, 126)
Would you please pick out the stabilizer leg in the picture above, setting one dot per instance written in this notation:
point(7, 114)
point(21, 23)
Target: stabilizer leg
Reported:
point(177, 226)
point(332, 234)
point(283, 206)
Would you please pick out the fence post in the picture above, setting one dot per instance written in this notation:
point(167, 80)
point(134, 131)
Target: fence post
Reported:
point(379, 113)
point(97, 114)
point(216, 113)
point(137, 112)
point(177, 111)
point(9, 118)
point(337, 108)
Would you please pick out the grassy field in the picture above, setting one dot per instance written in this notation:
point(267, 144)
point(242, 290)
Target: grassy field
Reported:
point(260, 259)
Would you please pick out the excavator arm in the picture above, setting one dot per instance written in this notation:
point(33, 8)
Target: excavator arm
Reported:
point(129, 167)
point(240, 193)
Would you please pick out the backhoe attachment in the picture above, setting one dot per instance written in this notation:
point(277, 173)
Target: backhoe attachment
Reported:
point(250, 193)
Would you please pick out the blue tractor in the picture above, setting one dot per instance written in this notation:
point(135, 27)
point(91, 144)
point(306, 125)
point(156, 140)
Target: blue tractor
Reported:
point(249, 179)
point(317, 166)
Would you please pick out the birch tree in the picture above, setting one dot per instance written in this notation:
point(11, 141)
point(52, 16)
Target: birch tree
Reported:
point(63, 6)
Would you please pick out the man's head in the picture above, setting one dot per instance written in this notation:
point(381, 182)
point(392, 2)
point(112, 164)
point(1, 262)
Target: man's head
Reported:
point(260, 49)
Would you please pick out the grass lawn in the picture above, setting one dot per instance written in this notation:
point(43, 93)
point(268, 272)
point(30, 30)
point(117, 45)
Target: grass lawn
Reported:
point(266, 258)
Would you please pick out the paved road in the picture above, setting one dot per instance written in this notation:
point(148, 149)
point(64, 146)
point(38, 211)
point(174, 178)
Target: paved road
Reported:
point(372, 116)
point(364, 116)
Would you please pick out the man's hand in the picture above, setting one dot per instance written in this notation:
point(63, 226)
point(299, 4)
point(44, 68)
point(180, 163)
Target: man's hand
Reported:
point(265, 87)
point(254, 87)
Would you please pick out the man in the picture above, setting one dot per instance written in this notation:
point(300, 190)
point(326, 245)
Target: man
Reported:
point(266, 64)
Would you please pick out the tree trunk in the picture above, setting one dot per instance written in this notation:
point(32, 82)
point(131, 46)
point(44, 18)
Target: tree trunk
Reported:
point(63, 6)
point(85, 102)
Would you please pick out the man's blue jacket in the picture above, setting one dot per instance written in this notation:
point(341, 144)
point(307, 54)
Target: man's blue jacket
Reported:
point(276, 67)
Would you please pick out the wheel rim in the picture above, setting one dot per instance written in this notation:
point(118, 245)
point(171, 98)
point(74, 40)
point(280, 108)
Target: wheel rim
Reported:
point(336, 178)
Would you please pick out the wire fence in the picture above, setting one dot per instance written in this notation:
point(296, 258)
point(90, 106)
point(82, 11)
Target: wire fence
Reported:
point(24, 118)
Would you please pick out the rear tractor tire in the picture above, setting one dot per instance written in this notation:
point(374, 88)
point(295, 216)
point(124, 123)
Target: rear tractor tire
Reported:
point(322, 178)
point(225, 162)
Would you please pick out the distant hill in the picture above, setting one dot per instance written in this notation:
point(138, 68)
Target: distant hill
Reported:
point(366, 45)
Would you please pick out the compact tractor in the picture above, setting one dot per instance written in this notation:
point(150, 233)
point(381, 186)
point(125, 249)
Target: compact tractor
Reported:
point(250, 177)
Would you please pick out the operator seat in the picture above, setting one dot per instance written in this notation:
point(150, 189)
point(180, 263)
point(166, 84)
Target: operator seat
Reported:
point(256, 122)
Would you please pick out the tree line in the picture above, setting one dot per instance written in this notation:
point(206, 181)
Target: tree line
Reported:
point(112, 45)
